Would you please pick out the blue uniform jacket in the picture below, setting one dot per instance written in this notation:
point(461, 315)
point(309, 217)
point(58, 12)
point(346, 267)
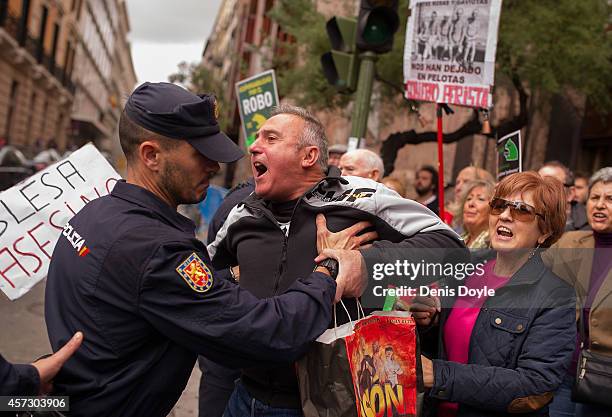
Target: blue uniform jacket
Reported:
point(129, 273)
point(18, 379)
point(520, 348)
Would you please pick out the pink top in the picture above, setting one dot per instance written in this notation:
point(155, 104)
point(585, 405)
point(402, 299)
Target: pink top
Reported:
point(460, 323)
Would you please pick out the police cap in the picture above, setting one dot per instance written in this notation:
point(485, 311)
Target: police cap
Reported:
point(176, 113)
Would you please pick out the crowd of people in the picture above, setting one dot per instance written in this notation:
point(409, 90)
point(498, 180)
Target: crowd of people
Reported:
point(548, 208)
point(288, 244)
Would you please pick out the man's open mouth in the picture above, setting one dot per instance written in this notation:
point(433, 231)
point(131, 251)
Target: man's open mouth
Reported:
point(260, 169)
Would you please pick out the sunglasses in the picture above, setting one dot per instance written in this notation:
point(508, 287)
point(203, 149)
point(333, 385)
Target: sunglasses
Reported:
point(520, 211)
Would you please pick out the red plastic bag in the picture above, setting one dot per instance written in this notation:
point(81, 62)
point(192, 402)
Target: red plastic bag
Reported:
point(366, 368)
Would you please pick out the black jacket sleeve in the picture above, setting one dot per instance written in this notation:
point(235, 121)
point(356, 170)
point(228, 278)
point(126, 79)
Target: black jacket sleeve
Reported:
point(227, 323)
point(18, 379)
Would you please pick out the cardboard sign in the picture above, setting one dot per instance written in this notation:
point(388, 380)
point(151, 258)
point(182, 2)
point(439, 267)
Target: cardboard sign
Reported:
point(256, 96)
point(34, 212)
point(449, 55)
point(509, 155)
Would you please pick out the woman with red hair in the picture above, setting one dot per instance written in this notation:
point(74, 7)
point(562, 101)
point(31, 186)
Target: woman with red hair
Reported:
point(506, 351)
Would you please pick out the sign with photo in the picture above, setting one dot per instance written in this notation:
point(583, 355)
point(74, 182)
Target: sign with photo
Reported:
point(34, 212)
point(256, 96)
point(449, 55)
point(509, 155)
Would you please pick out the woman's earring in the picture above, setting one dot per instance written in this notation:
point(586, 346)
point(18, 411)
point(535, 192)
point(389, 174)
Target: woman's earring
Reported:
point(533, 252)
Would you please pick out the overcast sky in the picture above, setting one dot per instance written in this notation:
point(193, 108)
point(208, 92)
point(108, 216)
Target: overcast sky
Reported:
point(164, 33)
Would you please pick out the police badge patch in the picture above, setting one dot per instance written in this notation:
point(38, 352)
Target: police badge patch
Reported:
point(195, 273)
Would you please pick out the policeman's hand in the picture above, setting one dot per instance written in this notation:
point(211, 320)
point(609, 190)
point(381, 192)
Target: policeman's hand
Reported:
point(424, 309)
point(352, 276)
point(344, 239)
point(49, 367)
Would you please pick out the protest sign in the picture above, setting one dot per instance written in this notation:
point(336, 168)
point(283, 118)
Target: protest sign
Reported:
point(256, 97)
point(509, 155)
point(449, 55)
point(34, 212)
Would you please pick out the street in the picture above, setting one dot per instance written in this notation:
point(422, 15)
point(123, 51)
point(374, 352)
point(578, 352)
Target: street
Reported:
point(24, 338)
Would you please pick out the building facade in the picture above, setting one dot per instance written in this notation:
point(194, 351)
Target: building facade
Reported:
point(36, 65)
point(104, 74)
point(64, 66)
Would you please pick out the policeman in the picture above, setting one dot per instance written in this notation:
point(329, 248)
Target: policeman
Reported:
point(129, 273)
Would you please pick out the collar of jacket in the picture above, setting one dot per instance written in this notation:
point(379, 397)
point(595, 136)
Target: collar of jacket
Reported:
point(529, 273)
point(146, 199)
point(332, 176)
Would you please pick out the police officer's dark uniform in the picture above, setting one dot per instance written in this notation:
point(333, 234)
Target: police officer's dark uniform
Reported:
point(130, 274)
point(18, 379)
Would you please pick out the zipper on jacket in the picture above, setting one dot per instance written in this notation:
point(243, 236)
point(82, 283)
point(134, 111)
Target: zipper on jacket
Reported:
point(283, 261)
point(281, 265)
point(583, 370)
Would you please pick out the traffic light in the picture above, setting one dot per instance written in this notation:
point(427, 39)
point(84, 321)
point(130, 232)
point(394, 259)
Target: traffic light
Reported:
point(341, 65)
point(377, 23)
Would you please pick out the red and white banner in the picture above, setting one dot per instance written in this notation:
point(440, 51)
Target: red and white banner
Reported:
point(34, 212)
point(449, 55)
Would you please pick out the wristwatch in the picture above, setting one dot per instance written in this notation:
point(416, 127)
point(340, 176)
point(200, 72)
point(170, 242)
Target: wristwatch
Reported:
point(331, 265)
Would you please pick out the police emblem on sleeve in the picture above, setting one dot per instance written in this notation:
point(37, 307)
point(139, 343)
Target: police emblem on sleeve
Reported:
point(195, 273)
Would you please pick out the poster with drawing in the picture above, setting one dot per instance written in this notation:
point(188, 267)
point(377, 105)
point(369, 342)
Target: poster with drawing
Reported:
point(449, 55)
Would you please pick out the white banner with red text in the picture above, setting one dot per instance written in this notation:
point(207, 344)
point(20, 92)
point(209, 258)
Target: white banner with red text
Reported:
point(34, 212)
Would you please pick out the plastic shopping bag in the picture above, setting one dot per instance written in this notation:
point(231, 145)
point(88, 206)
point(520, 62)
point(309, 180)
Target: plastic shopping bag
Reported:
point(366, 368)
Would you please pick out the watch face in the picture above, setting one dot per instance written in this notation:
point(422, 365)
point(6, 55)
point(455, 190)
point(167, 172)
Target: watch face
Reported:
point(332, 266)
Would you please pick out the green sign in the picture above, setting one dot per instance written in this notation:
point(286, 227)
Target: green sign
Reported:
point(509, 155)
point(257, 96)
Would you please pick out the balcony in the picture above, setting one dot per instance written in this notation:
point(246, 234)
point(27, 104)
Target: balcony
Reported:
point(33, 47)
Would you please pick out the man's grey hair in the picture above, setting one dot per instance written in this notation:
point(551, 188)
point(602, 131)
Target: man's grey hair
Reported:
point(313, 133)
point(604, 175)
point(371, 160)
point(569, 175)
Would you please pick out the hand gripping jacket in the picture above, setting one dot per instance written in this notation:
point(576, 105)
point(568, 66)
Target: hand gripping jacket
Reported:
point(272, 256)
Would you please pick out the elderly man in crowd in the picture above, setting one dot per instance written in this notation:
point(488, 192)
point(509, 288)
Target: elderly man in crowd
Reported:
point(272, 234)
point(362, 163)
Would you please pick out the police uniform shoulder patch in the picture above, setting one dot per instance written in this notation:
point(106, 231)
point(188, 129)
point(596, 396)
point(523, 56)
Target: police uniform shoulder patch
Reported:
point(195, 273)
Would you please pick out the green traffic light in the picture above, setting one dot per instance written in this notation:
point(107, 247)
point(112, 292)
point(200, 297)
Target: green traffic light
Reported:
point(377, 29)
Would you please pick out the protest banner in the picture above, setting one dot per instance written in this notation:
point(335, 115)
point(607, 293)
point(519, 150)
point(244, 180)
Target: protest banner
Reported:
point(256, 96)
point(509, 155)
point(449, 55)
point(34, 212)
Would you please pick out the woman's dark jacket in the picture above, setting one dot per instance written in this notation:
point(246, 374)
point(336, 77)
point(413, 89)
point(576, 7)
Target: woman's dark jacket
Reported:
point(521, 345)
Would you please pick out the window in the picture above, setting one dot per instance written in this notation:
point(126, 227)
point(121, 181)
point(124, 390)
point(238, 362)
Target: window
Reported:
point(11, 109)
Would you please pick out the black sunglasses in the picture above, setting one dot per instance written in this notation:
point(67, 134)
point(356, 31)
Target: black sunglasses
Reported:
point(520, 211)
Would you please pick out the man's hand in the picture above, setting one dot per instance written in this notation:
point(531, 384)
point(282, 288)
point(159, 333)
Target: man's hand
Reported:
point(352, 275)
point(49, 367)
point(423, 309)
point(344, 239)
